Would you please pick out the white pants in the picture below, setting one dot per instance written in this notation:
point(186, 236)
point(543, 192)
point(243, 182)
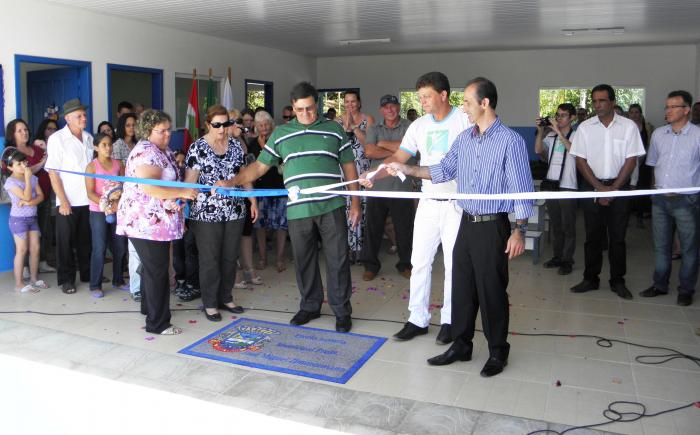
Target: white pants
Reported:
point(436, 222)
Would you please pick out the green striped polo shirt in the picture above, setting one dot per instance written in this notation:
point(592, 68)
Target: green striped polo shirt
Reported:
point(311, 155)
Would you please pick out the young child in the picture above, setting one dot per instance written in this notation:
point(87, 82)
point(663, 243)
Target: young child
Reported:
point(23, 189)
point(104, 229)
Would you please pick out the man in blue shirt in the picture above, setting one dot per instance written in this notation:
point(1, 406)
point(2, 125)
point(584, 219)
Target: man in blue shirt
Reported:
point(675, 155)
point(488, 158)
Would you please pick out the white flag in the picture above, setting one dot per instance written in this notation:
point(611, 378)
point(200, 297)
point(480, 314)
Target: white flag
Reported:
point(227, 95)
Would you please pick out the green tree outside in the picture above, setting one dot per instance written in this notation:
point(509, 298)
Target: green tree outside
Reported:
point(581, 97)
point(255, 99)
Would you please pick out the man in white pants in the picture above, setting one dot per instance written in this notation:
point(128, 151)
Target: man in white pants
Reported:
point(437, 221)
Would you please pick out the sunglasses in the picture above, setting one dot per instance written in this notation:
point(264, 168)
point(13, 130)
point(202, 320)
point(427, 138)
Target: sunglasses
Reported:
point(287, 117)
point(221, 124)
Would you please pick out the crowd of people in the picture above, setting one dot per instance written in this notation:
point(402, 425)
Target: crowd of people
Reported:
point(168, 237)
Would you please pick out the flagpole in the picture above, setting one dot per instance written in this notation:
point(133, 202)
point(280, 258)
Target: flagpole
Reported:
point(229, 74)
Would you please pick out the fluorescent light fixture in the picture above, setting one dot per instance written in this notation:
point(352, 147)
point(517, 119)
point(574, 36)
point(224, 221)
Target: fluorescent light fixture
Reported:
point(594, 31)
point(364, 41)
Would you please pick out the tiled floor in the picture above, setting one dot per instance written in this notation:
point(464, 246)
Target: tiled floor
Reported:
point(406, 395)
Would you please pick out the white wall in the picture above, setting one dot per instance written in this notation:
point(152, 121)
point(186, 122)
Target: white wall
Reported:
point(518, 75)
point(37, 28)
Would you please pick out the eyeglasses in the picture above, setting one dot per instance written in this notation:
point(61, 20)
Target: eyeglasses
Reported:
point(677, 106)
point(221, 124)
point(286, 117)
point(561, 115)
point(163, 131)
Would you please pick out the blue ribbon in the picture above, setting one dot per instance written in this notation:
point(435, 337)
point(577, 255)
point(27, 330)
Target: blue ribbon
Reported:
point(226, 191)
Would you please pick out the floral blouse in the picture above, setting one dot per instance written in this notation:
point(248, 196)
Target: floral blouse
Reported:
point(212, 168)
point(140, 215)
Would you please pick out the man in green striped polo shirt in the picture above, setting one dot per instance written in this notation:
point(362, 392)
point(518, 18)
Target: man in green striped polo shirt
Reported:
point(313, 151)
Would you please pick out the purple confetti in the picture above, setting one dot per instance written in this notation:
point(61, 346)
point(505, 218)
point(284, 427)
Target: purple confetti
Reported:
point(150, 338)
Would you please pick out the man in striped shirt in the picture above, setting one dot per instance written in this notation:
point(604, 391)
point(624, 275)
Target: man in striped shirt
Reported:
point(488, 158)
point(313, 150)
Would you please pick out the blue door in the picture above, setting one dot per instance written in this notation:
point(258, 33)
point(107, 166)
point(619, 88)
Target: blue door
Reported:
point(53, 87)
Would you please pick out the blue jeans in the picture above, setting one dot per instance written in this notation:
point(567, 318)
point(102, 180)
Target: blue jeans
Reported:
point(681, 212)
point(134, 275)
point(102, 232)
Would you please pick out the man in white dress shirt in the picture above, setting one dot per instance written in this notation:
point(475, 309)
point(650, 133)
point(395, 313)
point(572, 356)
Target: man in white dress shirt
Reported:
point(71, 149)
point(606, 148)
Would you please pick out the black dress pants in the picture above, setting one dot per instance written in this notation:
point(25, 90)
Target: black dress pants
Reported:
point(403, 212)
point(218, 244)
point(155, 283)
point(331, 230)
point(598, 218)
point(186, 258)
point(479, 282)
point(73, 234)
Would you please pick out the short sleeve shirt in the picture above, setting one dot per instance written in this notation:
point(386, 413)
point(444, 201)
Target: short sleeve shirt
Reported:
point(67, 152)
point(675, 156)
point(606, 148)
point(212, 168)
point(433, 139)
point(380, 132)
point(311, 155)
point(16, 210)
point(140, 215)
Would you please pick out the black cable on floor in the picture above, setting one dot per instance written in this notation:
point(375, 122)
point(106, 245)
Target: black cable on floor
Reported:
point(612, 414)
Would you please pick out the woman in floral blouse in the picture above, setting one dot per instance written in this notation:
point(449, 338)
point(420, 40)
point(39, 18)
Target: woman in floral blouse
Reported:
point(151, 217)
point(217, 220)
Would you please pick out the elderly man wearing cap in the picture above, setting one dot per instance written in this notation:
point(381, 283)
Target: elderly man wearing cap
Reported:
point(382, 141)
point(70, 149)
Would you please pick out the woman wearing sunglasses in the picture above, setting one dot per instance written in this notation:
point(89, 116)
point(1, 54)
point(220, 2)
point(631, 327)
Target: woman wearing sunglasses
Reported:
point(217, 220)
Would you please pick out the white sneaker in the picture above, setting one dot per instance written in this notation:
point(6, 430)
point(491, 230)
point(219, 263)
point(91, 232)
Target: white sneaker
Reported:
point(45, 268)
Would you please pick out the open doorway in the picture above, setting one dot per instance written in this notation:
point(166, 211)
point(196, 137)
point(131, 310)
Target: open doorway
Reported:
point(43, 84)
point(135, 85)
point(258, 93)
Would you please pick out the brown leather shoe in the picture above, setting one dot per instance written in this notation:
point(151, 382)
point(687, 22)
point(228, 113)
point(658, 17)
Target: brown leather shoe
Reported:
point(368, 275)
point(406, 273)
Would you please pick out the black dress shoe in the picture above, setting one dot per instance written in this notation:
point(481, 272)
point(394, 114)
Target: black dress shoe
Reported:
point(564, 269)
point(493, 367)
point(552, 263)
point(651, 292)
point(216, 317)
point(585, 286)
point(445, 334)
point(409, 331)
point(304, 317)
point(684, 300)
point(235, 310)
point(621, 290)
point(456, 352)
point(343, 324)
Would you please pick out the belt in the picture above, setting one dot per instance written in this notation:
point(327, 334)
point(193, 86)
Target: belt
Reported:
point(484, 217)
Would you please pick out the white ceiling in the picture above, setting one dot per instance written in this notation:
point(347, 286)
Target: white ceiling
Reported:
point(314, 27)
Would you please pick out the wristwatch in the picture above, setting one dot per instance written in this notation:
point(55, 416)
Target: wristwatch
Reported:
point(522, 228)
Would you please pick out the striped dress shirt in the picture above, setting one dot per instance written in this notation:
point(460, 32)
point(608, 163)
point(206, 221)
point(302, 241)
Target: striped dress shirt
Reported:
point(489, 163)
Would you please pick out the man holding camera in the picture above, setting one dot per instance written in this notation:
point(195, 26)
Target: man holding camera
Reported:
point(553, 143)
point(606, 148)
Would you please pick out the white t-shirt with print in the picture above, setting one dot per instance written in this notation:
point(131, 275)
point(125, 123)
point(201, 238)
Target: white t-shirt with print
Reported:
point(433, 139)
